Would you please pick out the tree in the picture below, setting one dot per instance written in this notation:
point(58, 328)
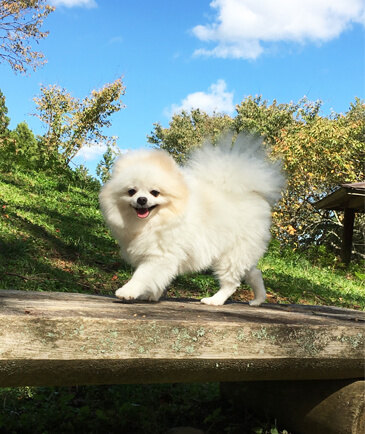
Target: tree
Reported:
point(104, 168)
point(187, 130)
point(4, 119)
point(20, 23)
point(24, 149)
point(73, 124)
point(4, 131)
point(318, 154)
point(20, 148)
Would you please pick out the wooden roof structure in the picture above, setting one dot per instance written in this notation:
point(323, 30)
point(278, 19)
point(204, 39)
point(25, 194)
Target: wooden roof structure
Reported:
point(348, 196)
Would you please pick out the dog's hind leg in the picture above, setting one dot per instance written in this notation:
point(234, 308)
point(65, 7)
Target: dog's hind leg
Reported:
point(229, 278)
point(254, 279)
point(221, 296)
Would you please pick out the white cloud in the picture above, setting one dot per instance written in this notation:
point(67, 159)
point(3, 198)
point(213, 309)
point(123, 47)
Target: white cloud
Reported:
point(241, 26)
point(91, 153)
point(74, 3)
point(217, 99)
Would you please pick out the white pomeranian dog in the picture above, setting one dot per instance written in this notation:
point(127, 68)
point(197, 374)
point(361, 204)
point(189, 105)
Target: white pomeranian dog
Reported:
point(213, 213)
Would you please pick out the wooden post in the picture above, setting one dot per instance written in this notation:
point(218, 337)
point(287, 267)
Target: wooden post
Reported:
point(348, 229)
point(315, 407)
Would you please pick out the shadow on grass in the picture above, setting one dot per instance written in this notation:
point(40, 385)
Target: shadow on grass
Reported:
point(74, 260)
point(54, 241)
point(298, 290)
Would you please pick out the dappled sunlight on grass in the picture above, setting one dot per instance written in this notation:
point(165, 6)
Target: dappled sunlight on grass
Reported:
point(298, 280)
point(53, 238)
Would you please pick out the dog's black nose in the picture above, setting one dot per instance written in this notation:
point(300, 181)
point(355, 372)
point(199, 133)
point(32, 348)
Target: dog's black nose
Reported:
point(142, 201)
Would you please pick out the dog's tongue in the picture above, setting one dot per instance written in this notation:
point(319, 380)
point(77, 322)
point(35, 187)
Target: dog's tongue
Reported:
point(142, 213)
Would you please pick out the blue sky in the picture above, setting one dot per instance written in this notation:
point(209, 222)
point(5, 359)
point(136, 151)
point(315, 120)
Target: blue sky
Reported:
point(177, 54)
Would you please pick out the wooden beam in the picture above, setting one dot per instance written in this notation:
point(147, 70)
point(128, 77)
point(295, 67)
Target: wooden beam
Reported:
point(348, 229)
point(347, 196)
point(70, 339)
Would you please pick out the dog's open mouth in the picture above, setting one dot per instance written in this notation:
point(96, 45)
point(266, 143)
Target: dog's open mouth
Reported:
point(143, 213)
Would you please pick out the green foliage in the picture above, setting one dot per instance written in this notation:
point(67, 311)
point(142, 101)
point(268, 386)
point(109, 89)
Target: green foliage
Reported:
point(255, 116)
point(318, 153)
point(4, 119)
point(187, 130)
point(4, 132)
point(137, 409)
point(104, 168)
point(268, 429)
point(73, 124)
point(18, 148)
point(25, 148)
point(25, 139)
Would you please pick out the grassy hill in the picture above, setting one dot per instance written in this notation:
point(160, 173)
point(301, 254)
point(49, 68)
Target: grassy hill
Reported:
point(53, 238)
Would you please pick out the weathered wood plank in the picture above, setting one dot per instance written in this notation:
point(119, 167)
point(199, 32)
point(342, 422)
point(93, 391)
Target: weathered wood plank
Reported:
point(66, 339)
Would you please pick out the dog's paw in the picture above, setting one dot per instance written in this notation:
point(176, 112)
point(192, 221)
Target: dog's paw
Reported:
point(132, 292)
point(213, 301)
point(148, 296)
point(124, 294)
point(257, 302)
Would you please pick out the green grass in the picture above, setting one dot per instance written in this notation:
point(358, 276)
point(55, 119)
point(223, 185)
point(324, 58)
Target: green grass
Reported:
point(293, 277)
point(141, 409)
point(53, 238)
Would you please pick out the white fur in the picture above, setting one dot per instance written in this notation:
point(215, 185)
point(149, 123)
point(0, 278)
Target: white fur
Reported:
point(215, 213)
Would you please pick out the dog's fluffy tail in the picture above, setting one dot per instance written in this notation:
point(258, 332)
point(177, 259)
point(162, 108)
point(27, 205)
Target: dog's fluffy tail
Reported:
point(241, 168)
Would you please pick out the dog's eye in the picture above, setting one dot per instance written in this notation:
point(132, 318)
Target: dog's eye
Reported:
point(132, 192)
point(155, 193)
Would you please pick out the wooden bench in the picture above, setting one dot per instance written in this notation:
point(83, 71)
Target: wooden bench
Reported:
point(72, 339)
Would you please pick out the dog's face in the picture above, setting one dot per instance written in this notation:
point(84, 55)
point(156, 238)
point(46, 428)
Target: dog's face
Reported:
point(144, 199)
point(146, 186)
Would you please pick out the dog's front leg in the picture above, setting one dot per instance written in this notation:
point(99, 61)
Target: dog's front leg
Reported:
point(148, 281)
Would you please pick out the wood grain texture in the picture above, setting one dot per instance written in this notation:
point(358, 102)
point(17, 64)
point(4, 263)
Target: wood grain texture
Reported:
point(67, 339)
